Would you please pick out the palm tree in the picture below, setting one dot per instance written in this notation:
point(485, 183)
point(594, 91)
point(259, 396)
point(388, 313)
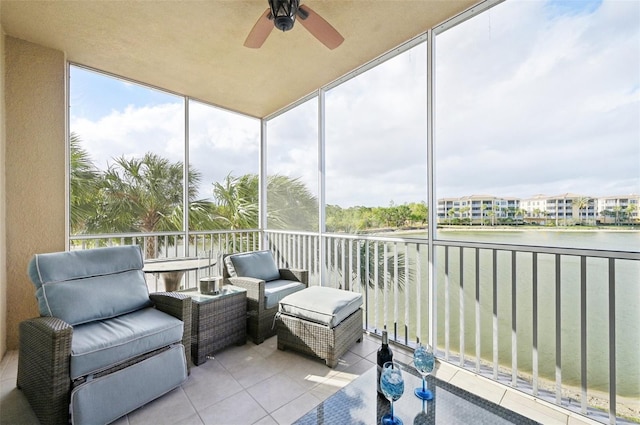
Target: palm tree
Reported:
point(146, 195)
point(290, 205)
point(236, 201)
point(581, 203)
point(83, 181)
point(483, 207)
point(372, 253)
point(375, 260)
point(629, 210)
point(451, 213)
point(617, 210)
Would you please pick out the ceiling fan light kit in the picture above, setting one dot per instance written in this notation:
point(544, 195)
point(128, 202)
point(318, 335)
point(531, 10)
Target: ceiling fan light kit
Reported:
point(282, 14)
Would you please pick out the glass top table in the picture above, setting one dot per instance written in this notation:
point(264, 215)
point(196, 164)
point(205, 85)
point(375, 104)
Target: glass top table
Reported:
point(359, 403)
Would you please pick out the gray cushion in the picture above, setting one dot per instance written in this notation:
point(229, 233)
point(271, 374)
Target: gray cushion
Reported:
point(103, 400)
point(327, 306)
point(101, 344)
point(86, 285)
point(276, 290)
point(257, 264)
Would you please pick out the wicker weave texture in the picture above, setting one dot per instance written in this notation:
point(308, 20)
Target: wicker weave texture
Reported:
point(260, 325)
point(218, 323)
point(43, 367)
point(45, 352)
point(179, 306)
point(319, 340)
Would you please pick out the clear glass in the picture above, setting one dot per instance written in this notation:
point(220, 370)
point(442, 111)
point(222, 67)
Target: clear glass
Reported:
point(223, 157)
point(392, 386)
point(423, 361)
point(292, 168)
point(530, 119)
point(126, 157)
point(376, 147)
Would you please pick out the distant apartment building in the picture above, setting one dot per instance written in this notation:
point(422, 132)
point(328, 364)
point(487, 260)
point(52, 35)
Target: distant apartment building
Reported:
point(560, 210)
point(619, 209)
point(478, 209)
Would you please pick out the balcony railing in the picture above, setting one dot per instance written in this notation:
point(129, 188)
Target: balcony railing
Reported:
point(550, 321)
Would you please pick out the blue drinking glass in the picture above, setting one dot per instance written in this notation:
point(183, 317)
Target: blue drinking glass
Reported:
point(392, 386)
point(424, 361)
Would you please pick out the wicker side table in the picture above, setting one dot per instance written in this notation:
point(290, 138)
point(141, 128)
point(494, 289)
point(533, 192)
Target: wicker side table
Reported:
point(218, 321)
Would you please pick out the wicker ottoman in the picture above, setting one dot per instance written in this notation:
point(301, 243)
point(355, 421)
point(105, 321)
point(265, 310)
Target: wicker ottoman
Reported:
point(322, 322)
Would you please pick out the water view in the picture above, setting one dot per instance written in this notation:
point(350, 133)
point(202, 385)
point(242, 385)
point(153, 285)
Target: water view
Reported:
point(627, 296)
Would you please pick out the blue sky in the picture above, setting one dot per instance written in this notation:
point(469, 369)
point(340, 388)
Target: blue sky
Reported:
point(532, 97)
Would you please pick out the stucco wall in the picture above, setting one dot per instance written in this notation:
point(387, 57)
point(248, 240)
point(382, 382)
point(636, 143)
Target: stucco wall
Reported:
point(3, 233)
point(35, 168)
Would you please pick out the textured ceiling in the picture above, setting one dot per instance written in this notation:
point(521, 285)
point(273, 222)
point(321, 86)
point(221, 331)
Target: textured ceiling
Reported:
point(195, 48)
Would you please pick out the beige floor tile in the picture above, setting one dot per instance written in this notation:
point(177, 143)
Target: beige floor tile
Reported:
point(257, 370)
point(307, 372)
point(211, 384)
point(359, 367)
point(533, 409)
point(191, 420)
point(275, 392)
point(293, 410)
point(9, 366)
point(476, 384)
point(241, 409)
point(268, 346)
point(347, 360)
point(445, 371)
point(267, 420)
point(365, 347)
point(168, 409)
point(237, 356)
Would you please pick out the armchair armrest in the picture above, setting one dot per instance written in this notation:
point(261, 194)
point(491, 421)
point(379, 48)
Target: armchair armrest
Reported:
point(254, 287)
point(174, 303)
point(295, 274)
point(179, 306)
point(43, 367)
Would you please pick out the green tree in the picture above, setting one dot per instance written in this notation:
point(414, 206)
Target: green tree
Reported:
point(419, 212)
point(146, 195)
point(581, 203)
point(629, 210)
point(290, 205)
point(236, 201)
point(83, 182)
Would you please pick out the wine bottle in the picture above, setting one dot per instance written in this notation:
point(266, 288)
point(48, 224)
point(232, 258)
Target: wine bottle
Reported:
point(384, 355)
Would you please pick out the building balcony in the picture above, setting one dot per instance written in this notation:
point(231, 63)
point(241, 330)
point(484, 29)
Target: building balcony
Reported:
point(258, 384)
point(545, 322)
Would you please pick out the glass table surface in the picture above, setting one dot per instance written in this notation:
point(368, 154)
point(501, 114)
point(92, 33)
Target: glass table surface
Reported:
point(359, 403)
point(226, 291)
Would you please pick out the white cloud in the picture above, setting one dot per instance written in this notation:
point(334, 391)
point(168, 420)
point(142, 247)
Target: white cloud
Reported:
point(133, 132)
point(569, 100)
point(527, 101)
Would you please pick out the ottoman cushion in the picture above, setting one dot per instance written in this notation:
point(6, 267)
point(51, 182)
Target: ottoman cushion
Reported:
point(327, 306)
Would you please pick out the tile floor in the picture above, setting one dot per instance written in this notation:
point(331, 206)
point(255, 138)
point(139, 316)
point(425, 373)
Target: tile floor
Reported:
point(258, 384)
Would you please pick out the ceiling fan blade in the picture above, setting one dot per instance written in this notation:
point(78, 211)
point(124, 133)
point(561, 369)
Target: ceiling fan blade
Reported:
point(260, 31)
point(319, 28)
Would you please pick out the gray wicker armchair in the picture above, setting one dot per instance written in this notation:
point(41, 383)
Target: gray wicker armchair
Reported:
point(266, 285)
point(103, 346)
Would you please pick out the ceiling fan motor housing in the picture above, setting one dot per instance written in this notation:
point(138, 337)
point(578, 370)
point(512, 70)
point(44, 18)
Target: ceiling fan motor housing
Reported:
point(283, 23)
point(284, 13)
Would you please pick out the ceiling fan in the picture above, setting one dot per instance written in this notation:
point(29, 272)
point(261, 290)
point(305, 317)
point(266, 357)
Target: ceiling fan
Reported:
point(282, 14)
